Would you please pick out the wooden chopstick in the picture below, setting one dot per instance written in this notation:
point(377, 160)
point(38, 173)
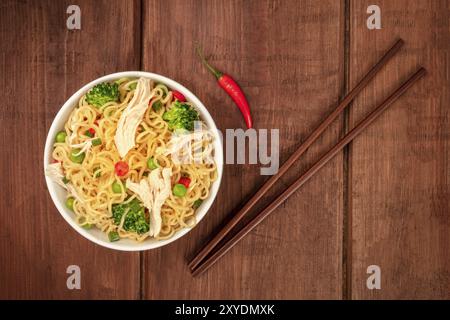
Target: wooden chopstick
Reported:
point(209, 247)
point(308, 174)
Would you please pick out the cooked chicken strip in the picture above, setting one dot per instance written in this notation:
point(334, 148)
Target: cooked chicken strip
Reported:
point(153, 192)
point(131, 117)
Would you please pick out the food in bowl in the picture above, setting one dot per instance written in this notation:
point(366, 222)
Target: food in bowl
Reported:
point(136, 160)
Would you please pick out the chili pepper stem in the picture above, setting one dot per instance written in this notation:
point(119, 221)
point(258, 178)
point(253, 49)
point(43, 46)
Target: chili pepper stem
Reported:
point(214, 71)
point(231, 88)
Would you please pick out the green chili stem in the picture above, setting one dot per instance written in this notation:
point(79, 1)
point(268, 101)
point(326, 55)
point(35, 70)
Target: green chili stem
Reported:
point(214, 71)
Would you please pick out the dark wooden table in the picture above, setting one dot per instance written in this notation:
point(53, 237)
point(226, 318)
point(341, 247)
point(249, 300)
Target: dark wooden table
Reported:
point(383, 201)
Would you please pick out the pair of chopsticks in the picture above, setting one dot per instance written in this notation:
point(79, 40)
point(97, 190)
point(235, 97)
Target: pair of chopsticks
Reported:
point(207, 256)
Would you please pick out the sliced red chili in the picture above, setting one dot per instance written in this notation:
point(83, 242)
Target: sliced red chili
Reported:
point(121, 168)
point(185, 181)
point(178, 96)
point(90, 132)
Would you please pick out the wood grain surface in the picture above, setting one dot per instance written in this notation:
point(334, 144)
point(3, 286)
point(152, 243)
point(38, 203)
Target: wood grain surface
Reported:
point(384, 201)
point(249, 39)
point(42, 64)
point(400, 187)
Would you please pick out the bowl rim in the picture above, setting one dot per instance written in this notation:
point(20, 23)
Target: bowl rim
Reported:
point(125, 244)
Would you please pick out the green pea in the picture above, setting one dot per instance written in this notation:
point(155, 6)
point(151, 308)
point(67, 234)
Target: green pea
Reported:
point(179, 190)
point(197, 203)
point(157, 105)
point(69, 203)
point(117, 187)
point(96, 142)
point(61, 137)
point(152, 163)
point(113, 236)
point(76, 156)
point(87, 226)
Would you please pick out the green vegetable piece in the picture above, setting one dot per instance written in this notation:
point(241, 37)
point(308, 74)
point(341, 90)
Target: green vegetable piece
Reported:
point(113, 236)
point(87, 226)
point(89, 134)
point(69, 202)
point(117, 187)
point(132, 86)
point(179, 190)
point(103, 93)
point(135, 219)
point(96, 142)
point(163, 88)
point(197, 203)
point(61, 137)
point(97, 173)
point(157, 105)
point(152, 164)
point(181, 116)
point(65, 180)
point(76, 156)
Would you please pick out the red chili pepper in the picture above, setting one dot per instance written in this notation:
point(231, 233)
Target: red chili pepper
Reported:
point(121, 168)
point(178, 96)
point(91, 131)
point(232, 88)
point(185, 181)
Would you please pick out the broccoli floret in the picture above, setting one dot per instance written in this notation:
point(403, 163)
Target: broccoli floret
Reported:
point(181, 116)
point(135, 218)
point(103, 93)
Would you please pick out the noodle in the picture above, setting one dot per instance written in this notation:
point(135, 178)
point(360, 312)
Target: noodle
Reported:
point(92, 179)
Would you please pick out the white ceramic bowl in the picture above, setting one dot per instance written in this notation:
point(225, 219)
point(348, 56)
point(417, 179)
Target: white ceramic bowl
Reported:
point(58, 194)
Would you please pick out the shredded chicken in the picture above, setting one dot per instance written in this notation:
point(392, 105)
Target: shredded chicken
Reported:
point(74, 125)
point(153, 191)
point(131, 117)
point(54, 171)
point(84, 147)
point(187, 148)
